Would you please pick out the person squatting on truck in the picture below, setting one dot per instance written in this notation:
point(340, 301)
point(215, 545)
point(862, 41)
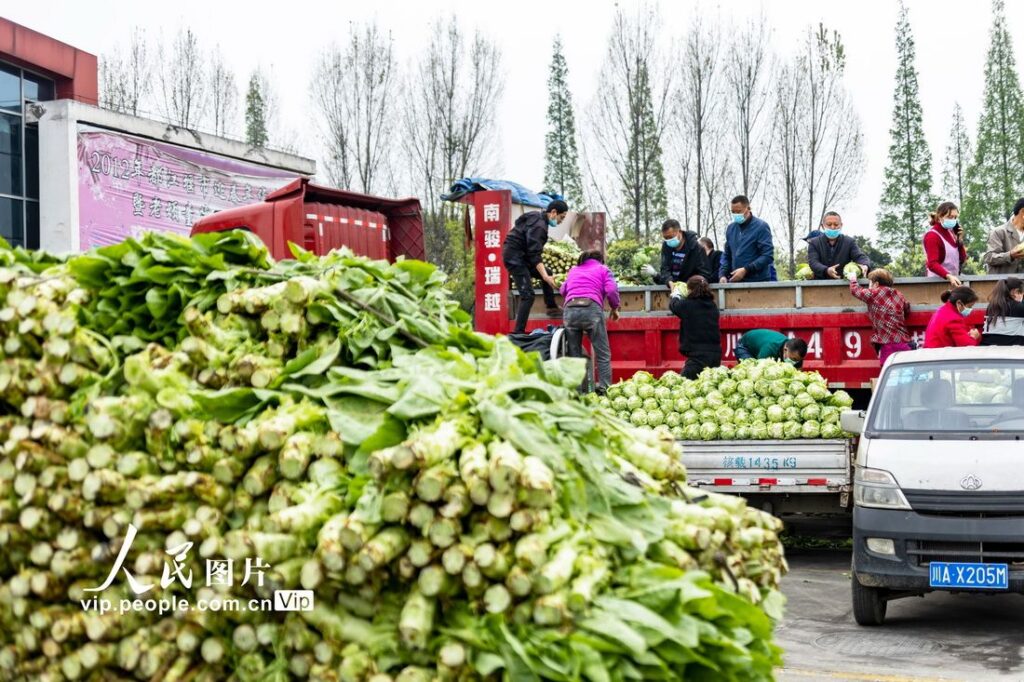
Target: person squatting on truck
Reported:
point(522, 254)
point(586, 288)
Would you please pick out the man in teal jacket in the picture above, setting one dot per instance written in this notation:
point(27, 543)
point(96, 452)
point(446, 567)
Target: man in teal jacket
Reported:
point(770, 344)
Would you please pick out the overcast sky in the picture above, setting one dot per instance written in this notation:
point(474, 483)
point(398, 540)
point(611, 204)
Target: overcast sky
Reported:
point(951, 35)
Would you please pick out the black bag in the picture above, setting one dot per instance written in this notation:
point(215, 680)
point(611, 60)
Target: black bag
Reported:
point(538, 341)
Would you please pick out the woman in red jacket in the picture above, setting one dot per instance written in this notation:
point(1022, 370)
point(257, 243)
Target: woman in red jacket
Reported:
point(948, 326)
point(944, 249)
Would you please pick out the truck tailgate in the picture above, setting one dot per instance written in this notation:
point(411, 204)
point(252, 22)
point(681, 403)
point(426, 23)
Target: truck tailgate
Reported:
point(785, 466)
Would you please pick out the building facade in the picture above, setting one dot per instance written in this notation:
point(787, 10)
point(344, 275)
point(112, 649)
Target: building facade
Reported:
point(74, 175)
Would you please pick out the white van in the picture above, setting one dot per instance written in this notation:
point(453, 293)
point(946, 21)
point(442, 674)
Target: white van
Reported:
point(939, 478)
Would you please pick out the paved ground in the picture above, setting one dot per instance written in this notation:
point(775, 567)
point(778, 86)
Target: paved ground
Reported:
point(938, 637)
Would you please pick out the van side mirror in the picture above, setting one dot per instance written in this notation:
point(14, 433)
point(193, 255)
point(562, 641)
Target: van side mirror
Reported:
point(852, 421)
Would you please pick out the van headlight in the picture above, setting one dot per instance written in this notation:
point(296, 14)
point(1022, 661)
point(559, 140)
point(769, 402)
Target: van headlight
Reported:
point(878, 489)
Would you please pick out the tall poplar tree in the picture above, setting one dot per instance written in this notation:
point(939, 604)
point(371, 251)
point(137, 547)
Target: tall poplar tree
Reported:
point(256, 112)
point(561, 160)
point(646, 199)
point(906, 193)
point(956, 161)
point(996, 177)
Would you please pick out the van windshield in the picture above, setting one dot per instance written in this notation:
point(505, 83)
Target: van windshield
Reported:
point(963, 396)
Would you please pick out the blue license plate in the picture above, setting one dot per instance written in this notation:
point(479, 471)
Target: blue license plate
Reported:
point(968, 576)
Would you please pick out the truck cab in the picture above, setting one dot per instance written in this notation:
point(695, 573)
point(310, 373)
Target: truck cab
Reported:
point(938, 482)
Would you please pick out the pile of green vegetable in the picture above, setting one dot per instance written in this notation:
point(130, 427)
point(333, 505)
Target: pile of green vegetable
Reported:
point(560, 256)
point(755, 400)
point(335, 423)
point(626, 257)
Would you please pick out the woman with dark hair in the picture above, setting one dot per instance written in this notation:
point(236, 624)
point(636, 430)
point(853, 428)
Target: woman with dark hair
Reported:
point(699, 337)
point(948, 327)
point(944, 249)
point(586, 288)
point(1004, 316)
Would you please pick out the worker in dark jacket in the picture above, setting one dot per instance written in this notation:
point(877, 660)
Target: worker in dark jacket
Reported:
point(749, 254)
point(682, 256)
point(699, 337)
point(522, 253)
point(829, 253)
point(714, 258)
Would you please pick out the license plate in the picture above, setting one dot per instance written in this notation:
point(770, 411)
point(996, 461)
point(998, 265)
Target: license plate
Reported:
point(968, 576)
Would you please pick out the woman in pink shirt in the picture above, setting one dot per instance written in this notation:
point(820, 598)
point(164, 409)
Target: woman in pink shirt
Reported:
point(948, 327)
point(586, 288)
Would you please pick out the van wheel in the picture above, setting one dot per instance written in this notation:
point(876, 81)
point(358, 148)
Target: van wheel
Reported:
point(868, 604)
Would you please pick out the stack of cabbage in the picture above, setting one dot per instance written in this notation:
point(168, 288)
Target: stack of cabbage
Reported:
point(755, 400)
point(560, 256)
point(332, 424)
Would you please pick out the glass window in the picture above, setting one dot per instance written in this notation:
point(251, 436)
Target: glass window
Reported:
point(32, 161)
point(10, 154)
point(11, 223)
point(10, 87)
point(973, 396)
point(37, 88)
point(32, 224)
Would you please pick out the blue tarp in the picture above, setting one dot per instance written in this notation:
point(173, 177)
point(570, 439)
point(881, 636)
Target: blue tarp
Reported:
point(520, 195)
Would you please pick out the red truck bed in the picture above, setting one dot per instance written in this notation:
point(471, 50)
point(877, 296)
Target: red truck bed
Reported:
point(647, 336)
point(322, 218)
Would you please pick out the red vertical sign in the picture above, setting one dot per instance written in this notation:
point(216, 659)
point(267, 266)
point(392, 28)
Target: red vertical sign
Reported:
point(492, 220)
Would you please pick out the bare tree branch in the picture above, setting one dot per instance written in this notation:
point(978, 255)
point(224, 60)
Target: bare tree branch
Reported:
point(223, 95)
point(354, 89)
point(183, 81)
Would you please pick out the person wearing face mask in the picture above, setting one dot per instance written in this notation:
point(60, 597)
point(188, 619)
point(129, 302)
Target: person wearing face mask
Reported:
point(829, 253)
point(770, 344)
point(944, 249)
point(887, 310)
point(1005, 254)
point(714, 257)
point(522, 253)
point(948, 327)
point(749, 253)
point(682, 256)
point(1004, 315)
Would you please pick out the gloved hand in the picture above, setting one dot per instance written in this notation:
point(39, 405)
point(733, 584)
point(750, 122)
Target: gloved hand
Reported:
point(648, 270)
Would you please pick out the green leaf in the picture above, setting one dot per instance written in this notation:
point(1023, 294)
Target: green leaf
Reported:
point(233, 404)
point(615, 630)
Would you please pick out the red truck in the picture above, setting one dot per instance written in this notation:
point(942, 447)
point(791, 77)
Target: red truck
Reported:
point(802, 476)
point(645, 338)
point(322, 218)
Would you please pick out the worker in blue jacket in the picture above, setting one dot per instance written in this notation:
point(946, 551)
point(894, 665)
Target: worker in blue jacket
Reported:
point(749, 254)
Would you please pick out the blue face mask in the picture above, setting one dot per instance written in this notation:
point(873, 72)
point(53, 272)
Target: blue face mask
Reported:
point(552, 222)
point(966, 312)
point(738, 218)
point(832, 234)
point(672, 243)
point(790, 361)
point(949, 223)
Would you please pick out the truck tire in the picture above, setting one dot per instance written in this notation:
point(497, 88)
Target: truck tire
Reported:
point(868, 603)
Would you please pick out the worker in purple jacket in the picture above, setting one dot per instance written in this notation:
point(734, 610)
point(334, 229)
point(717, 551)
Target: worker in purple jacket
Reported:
point(586, 288)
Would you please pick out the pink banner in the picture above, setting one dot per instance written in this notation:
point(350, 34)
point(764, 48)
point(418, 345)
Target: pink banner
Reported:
point(128, 185)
